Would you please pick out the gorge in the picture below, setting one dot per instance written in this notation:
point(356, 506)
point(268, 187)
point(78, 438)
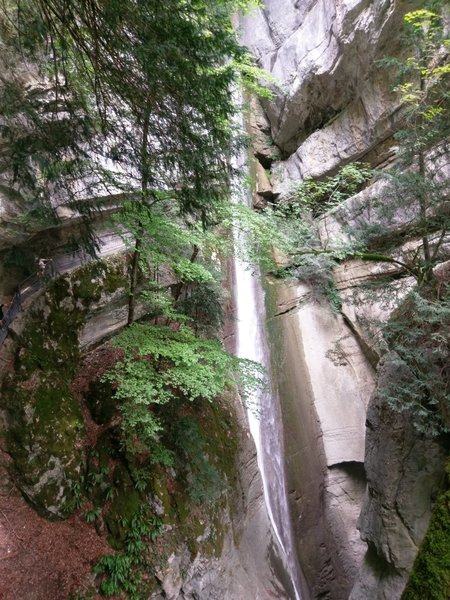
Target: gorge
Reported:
point(138, 458)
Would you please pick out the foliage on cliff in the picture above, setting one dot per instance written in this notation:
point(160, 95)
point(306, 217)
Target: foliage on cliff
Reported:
point(317, 197)
point(430, 577)
point(418, 335)
point(161, 364)
point(419, 177)
point(415, 191)
point(417, 186)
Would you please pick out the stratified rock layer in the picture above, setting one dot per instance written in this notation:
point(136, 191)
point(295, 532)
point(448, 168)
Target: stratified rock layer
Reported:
point(333, 104)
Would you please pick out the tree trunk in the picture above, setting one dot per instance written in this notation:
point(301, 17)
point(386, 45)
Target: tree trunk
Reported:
point(145, 176)
point(133, 281)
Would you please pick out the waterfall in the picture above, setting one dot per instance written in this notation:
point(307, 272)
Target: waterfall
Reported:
point(264, 413)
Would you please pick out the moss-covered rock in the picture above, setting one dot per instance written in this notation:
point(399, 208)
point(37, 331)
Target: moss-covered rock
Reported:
point(47, 427)
point(430, 577)
point(45, 442)
point(46, 421)
point(97, 278)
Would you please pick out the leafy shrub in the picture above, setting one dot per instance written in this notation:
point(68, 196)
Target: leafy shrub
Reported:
point(161, 365)
point(319, 196)
point(419, 337)
point(203, 304)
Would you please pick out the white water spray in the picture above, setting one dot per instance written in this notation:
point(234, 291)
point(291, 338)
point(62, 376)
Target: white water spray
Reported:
point(264, 412)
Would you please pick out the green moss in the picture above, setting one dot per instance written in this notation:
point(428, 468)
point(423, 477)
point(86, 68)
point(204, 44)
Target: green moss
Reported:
point(430, 577)
point(213, 545)
point(60, 289)
point(161, 493)
point(50, 343)
point(46, 421)
point(98, 277)
point(126, 504)
point(203, 437)
point(44, 440)
point(115, 278)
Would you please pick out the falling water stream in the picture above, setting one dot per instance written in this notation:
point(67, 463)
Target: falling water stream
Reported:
point(264, 409)
point(264, 415)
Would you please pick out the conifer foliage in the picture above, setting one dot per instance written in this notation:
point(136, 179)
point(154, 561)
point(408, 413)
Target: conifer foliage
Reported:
point(136, 98)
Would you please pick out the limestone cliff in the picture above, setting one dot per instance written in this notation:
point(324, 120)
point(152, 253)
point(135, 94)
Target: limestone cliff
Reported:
point(361, 481)
point(361, 497)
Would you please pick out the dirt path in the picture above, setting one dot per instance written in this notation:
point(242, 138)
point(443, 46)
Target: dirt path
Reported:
point(39, 559)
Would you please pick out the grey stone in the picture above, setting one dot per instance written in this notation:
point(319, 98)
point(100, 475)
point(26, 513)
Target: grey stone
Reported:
point(323, 406)
point(319, 54)
point(404, 470)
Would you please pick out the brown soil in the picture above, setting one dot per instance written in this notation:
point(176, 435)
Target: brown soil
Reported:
point(43, 560)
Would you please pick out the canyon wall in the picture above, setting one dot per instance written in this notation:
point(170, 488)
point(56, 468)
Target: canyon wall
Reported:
point(361, 497)
point(360, 480)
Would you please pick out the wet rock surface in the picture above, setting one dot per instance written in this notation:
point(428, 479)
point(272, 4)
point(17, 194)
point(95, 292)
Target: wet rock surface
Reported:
point(323, 411)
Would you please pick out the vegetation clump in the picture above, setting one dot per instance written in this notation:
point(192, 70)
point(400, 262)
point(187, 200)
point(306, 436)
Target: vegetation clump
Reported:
point(161, 364)
point(430, 577)
point(318, 197)
point(418, 336)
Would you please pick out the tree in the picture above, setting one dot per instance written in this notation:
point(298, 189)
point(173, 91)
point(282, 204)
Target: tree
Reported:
point(156, 81)
point(419, 178)
point(44, 160)
point(153, 81)
point(161, 364)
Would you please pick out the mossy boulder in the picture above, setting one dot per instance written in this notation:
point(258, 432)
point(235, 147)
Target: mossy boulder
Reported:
point(97, 278)
point(47, 427)
point(46, 422)
point(45, 442)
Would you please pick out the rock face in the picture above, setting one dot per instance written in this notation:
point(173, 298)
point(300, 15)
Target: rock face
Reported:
point(46, 423)
point(333, 104)
point(319, 54)
point(249, 564)
point(404, 473)
point(221, 551)
point(324, 382)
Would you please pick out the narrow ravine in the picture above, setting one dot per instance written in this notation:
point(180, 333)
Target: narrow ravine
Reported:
point(264, 416)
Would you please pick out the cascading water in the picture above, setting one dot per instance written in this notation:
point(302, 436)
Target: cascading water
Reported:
point(264, 412)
